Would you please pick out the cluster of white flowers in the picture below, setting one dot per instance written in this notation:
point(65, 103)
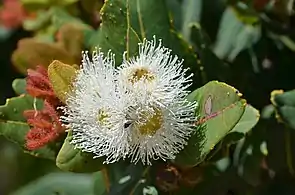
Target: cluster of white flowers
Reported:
point(137, 111)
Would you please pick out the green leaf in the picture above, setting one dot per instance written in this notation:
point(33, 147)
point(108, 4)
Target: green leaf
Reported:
point(59, 183)
point(114, 33)
point(74, 160)
point(14, 107)
point(16, 132)
point(284, 103)
point(191, 13)
point(99, 183)
point(145, 14)
point(175, 13)
point(19, 86)
point(61, 77)
point(234, 36)
point(248, 120)
point(213, 67)
point(281, 98)
point(125, 24)
point(13, 125)
point(91, 38)
point(220, 109)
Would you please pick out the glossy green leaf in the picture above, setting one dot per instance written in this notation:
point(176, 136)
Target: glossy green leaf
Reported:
point(234, 36)
point(114, 33)
point(16, 132)
point(59, 183)
point(286, 114)
point(284, 103)
point(91, 37)
point(99, 183)
point(74, 160)
point(145, 14)
point(213, 67)
point(248, 120)
point(126, 23)
point(14, 107)
point(19, 86)
point(281, 98)
point(175, 13)
point(220, 109)
point(13, 125)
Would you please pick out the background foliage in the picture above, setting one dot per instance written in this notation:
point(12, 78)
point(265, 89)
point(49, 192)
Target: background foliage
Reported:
point(248, 44)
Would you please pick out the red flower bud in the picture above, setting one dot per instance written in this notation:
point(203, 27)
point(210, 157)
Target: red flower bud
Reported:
point(39, 86)
point(46, 126)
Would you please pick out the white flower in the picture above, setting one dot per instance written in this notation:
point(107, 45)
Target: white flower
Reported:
point(160, 134)
point(161, 119)
point(96, 109)
point(138, 110)
point(155, 73)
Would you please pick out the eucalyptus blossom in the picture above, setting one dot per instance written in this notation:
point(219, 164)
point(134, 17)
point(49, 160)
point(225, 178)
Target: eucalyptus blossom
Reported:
point(96, 109)
point(138, 110)
point(162, 120)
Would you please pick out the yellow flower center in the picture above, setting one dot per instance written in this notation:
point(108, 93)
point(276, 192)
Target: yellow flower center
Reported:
point(141, 73)
point(102, 117)
point(152, 125)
